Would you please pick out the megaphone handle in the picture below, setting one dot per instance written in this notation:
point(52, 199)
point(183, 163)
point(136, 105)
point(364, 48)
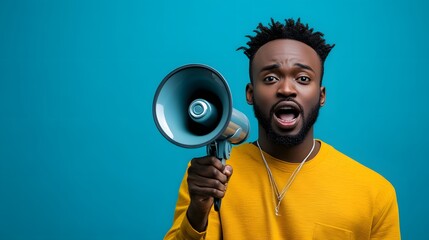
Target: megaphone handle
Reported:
point(220, 149)
point(218, 201)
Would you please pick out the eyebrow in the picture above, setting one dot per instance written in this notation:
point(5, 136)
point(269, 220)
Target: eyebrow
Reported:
point(303, 66)
point(275, 66)
point(270, 67)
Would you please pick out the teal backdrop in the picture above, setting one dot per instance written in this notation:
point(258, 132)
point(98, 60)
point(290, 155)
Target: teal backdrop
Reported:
point(80, 156)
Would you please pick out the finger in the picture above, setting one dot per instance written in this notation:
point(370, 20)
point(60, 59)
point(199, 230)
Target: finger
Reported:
point(195, 190)
point(208, 160)
point(207, 171)
point(206, 182)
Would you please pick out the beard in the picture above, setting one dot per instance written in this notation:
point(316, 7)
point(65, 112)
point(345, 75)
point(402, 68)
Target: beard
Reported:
point(287, 140)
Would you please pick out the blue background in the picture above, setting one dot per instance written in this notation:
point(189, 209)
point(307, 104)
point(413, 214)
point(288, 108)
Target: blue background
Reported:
point(80, 156)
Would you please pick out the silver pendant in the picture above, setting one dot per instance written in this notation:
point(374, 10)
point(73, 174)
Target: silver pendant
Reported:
point(277, 212)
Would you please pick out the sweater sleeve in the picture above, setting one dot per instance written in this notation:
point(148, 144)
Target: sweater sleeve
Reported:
point(386, 220)
point(182, 229)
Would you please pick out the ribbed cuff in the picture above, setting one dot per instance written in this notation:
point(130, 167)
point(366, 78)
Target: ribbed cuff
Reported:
point(188, 232)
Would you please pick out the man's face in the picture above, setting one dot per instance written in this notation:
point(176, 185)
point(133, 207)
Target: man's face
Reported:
point(286, 92)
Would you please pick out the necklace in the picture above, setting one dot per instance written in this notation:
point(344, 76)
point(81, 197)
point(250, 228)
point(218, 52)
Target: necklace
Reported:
point(277, 194)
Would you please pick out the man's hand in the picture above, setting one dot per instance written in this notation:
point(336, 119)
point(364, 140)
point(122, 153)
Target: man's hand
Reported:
point(207, 179)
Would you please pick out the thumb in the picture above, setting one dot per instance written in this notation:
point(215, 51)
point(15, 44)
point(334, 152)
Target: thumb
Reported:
point(227, 171)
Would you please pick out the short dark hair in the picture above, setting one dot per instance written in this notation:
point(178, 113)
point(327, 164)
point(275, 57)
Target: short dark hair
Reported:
point(290, 30)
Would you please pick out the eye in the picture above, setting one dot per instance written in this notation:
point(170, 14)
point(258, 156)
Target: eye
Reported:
point(270, 79)
point(303, 79)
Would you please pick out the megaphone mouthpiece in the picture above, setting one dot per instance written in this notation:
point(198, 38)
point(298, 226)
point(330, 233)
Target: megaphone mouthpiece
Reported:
point(203, 112)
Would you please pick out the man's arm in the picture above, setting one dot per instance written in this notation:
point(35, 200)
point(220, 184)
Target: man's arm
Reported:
point(194, 216)
point(386, 222)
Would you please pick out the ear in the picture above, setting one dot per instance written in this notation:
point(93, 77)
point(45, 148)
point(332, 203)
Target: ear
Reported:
point(322, 96)
point(249, 93)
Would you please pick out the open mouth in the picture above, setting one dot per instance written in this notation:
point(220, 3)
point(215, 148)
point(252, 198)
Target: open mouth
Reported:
point(286, 114)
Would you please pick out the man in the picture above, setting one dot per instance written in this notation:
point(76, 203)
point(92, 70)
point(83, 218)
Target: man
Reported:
point(286, 185)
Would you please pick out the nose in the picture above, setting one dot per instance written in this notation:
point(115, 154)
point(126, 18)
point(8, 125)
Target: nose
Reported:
point(286, 88)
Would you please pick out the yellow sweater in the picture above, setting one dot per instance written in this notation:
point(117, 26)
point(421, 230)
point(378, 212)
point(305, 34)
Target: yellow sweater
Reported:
point(332, 197)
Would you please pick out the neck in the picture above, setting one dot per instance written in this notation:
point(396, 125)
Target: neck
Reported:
point(293, 154)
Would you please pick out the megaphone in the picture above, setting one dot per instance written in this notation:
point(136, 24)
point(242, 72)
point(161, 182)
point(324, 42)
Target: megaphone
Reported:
point(192, 108)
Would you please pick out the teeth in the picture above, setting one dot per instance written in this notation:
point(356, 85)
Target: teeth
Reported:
point(287, 109)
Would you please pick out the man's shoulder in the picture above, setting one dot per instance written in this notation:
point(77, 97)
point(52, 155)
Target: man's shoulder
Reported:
point(245, 150)
point(341, 162)
point(244, 147)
